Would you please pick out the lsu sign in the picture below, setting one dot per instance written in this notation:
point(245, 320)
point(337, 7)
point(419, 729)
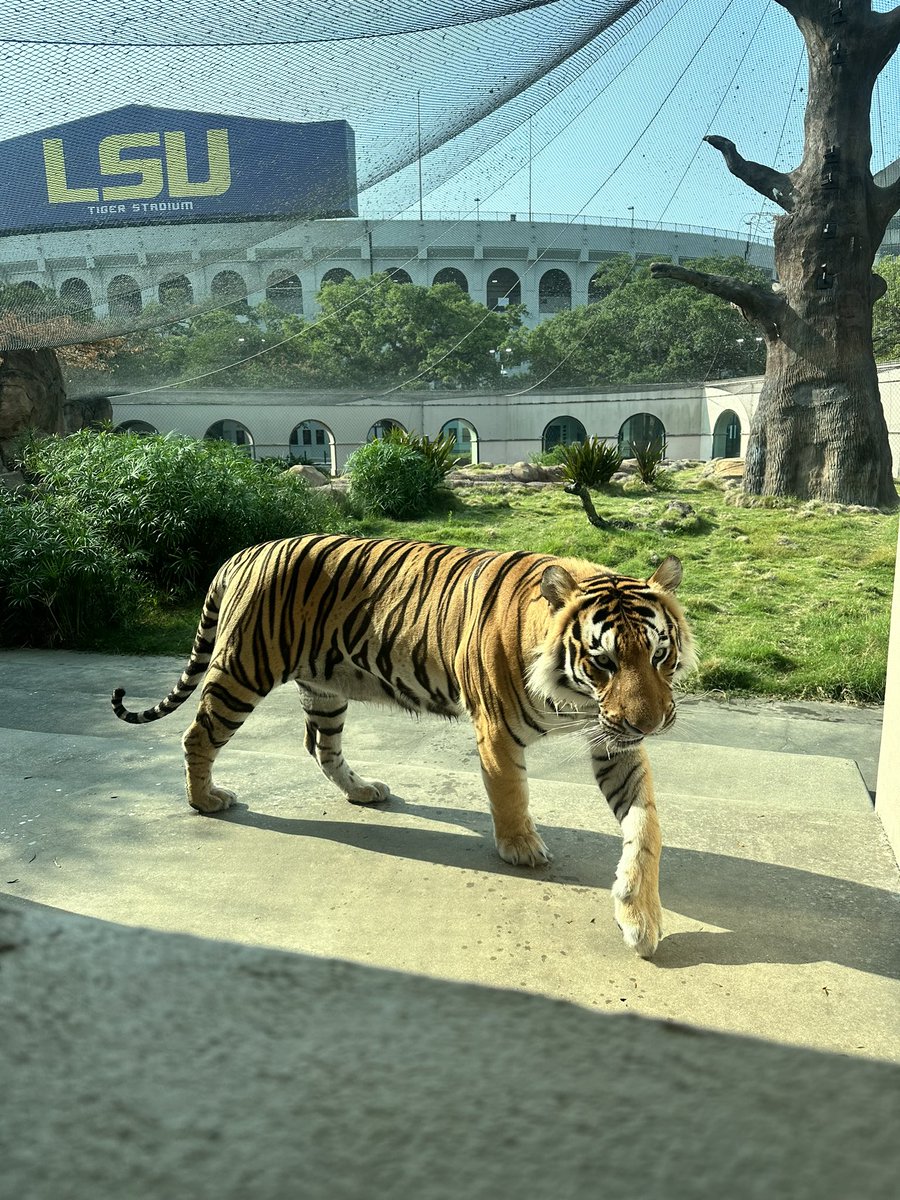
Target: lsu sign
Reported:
point(140, 165)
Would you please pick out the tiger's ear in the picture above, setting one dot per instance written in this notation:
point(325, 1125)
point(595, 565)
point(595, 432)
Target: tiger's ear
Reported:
point(557, 585)
point(668, 574)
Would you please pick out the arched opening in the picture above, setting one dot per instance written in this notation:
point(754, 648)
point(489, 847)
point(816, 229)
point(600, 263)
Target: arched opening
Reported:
point(503, 288)
point(175, 291)
point(599, 285)
point(76, 296)
point(562, 431)
point(554, 292)
point(336, 275)
point(451, 275)
point(641, 429)
point(398, 275)
point(382, 428)
point(312, 442)
point(465, 439)
point(228, 285)
point(230, 431)
point(124, 296)
point(285, 291)
point(142, 427)
point(727, 435)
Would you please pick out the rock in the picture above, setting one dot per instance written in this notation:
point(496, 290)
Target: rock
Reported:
point(13, 481)
point(32, 396)
point(681, 507)
point(308, 474)
point(723, 468)
point(87, 412)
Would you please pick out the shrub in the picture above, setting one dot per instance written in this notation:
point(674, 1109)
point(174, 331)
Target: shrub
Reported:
point(649, 457)
point(591, 463)
point(62, 582)
point(439, 452)
point(549, 458)
point(174, 506)
point(391, 479)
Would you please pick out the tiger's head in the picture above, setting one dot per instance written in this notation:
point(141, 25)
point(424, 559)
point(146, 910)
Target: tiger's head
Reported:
point(615, 645)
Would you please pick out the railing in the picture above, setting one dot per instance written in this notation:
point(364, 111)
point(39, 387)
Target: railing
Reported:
point(566, 219)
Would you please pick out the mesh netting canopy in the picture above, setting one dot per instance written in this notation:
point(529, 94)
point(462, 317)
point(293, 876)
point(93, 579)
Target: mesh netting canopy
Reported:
point(188, 133)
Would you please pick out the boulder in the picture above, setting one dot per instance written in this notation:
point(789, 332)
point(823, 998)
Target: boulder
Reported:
point(309, 475)
point(87, 412)
point(721, 469)
point(32, 396)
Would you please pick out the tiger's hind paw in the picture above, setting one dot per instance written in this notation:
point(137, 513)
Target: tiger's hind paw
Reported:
point(525, 850)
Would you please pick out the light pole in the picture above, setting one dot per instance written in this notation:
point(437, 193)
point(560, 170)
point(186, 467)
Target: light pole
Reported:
point(631, 210)
point(477, 208)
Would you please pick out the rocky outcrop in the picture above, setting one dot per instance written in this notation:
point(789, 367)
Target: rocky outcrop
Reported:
point(32, 396)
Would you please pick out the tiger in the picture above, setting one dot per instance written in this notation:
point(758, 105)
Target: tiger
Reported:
point(525, 643)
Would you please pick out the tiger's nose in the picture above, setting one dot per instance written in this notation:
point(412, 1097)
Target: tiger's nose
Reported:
point(643, 727)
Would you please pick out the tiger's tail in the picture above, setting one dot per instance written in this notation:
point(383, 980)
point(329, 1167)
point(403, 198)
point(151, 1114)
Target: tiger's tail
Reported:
point(201, 652)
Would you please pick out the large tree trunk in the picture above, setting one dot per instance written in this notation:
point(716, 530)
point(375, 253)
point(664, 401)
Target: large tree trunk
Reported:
point(819, 429)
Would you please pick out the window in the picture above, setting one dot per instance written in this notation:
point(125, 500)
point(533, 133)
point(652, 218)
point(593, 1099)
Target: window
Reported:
point(727, 436)
point(503, 288)
point(228, 285)
point(285, 291)
point(76, 295)
point(465, 437)
point(451, 275)
point(398, 275)
point(562, 431)
point(554, 292)
point(382, 428)
point(336, 275)
point(175, 291)
point(312, 442)
point(642, 429)
point(124, 295)
point(136, 427)
point(230, 431)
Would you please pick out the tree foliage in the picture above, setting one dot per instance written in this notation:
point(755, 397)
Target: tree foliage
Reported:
point(369, 332)
point(645, 330)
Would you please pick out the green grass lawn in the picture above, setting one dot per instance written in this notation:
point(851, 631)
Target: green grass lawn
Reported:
point(784, 601)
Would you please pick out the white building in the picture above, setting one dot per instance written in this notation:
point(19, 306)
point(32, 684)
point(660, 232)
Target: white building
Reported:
point(702, 420)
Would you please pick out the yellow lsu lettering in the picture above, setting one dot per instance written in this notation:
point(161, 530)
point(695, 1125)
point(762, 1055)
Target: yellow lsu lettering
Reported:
point(149, 169)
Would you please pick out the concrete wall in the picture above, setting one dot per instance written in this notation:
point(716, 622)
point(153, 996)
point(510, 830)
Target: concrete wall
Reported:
point(509, 426)
point(310, 249)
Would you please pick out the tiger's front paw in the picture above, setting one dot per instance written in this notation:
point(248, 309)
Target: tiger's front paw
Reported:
point(639, 917)
point(524, 850)
point(368, 791)
point(217, 799)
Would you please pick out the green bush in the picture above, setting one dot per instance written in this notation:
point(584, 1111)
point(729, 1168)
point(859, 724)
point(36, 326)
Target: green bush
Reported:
point(392, 479)
point(549, 458)
point(62, 582)
point(649, 458)
point(439, 452)
point(174, 506)
point(591, 463)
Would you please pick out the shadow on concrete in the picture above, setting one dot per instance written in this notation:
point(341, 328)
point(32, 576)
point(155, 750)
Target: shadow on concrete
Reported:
point(763, 912)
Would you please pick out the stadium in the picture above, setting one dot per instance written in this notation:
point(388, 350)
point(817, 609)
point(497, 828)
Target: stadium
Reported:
point(141, 207)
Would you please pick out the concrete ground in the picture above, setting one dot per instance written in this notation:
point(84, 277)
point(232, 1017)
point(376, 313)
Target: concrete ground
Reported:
point(779, 889)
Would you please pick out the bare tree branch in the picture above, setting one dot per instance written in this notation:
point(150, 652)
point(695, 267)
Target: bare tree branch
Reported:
point(772, 184)
point(756, 303)
point(886, 32)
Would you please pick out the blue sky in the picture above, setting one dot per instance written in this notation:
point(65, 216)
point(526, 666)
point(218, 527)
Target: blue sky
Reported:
point(609, 132)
